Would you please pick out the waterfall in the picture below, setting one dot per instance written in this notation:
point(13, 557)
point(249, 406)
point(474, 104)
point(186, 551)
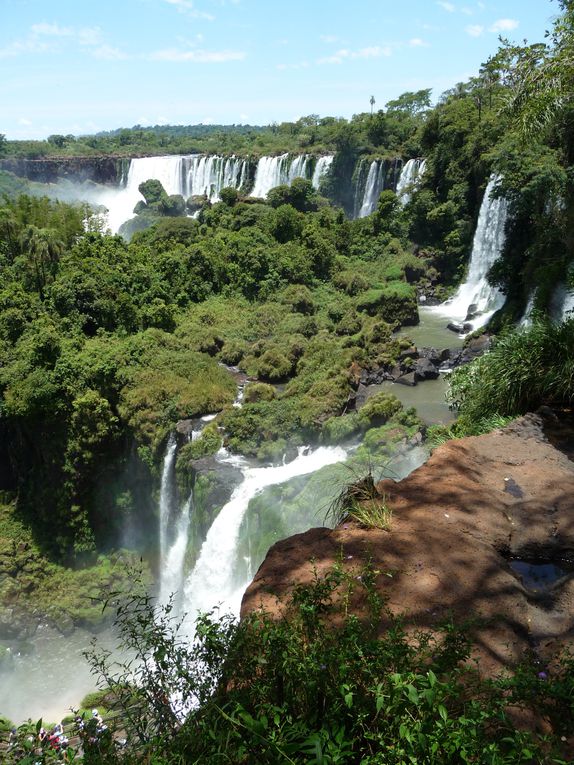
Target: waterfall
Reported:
point(476, 293)
point(171, 578)
point(561, 303)
point(298, 168)
point(526, 319)
point(321, 169)
point(277, 171)
point(410, 175)
point(208, 175)
point(213, 580)
point(195, 174)
point(166, 496)
point(374, 185)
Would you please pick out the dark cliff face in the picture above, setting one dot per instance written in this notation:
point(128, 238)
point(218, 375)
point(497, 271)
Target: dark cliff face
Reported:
point(105, 170)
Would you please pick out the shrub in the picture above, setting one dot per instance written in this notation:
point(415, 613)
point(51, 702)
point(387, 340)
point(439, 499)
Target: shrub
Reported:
point(321, 683)
point(524, 369)
point(379, 408)
point(259, 392)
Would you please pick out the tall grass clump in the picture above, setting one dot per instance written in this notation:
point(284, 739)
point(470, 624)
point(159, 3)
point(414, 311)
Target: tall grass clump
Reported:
point(524, 369)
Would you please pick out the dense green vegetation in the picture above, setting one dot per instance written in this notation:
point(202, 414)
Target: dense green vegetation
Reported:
point(106, 343)
point(297, 689)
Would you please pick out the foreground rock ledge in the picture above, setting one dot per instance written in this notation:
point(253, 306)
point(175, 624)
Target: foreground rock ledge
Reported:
point(456, 521)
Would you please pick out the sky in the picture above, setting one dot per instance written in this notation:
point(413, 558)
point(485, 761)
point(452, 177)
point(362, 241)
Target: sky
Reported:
point(71, 66)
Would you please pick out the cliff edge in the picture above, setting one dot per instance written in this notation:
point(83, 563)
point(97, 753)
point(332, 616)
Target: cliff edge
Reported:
point(484, 530)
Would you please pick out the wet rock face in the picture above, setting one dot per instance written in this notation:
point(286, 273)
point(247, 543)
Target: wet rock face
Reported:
point(106, 170)
point(458, 521)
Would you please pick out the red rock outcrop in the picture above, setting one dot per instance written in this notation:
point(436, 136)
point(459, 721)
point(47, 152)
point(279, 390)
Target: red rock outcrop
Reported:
point(456, 522)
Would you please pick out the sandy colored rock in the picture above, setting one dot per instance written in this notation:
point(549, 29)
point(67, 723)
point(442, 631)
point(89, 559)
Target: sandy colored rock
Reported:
point(456, 522)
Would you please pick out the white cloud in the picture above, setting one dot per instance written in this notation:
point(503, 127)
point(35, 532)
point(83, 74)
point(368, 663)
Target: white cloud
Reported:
point(49, 38)
point(109, 53)
point(90, 36)
point(50, 30)
point(329, 38)
point(446, 6)
point(467, 11)
point(504, 25)
point(197, 56)
point(416, 42)
point(24, 121)
point(187, 7)
point(373, 51)
point(474, 30)
point(300, 65)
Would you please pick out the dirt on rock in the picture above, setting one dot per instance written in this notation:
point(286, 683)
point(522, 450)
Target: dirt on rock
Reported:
point(457, 523)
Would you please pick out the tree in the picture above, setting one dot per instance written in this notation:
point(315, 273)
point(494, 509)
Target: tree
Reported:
point(411, 102)
point(3, 144)
point(372, 102)
point(42, 249)
point(544, 76)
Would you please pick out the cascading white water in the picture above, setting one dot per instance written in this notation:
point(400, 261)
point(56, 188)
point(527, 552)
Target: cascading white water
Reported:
point(166, 497)
point(298, 168)
point(374, 185)
point(277, 171)
point(268, 175)
point(526, 319)
point(321, 169)
point(213, 580)
point(209, 174)
point(410, 175)
point(191, 175)
point(171, 578)
point(561, 303)
point(486, 249)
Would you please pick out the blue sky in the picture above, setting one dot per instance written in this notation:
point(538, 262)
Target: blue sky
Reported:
point(78, 67)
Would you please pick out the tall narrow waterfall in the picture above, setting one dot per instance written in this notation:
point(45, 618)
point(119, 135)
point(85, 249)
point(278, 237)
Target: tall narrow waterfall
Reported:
point(476, 299)
point(321, 169)
point(374, 185)
point(213, 580)
point(172, 564)
point(368, 184)
point(410, 174)
point(166, 497)
point(526, 318)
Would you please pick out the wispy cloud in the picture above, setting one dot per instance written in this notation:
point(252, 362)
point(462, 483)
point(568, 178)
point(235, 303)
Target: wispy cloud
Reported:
point(329, 38)
point(504, 25)
point(52, 37)
point(197, 56)
point(474, 30)
point(416, 42)
point(109, 53)
point(300, 65)
point(373, 51)
point(446, 6)
point(188, 7)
